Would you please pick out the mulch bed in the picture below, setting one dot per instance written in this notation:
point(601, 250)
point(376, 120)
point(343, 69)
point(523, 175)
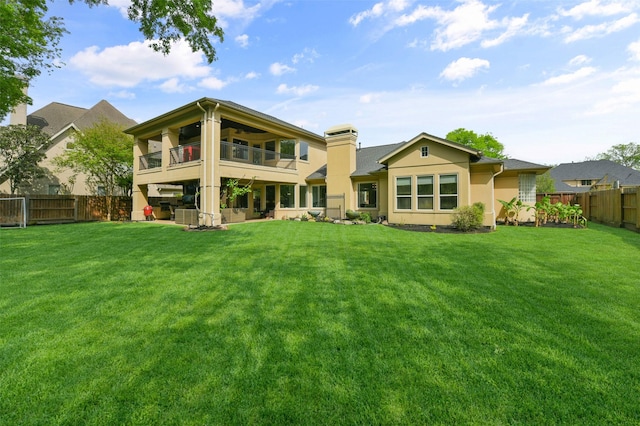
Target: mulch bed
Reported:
point(439, 229)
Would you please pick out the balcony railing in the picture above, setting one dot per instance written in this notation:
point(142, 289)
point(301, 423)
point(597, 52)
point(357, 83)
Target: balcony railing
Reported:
point(184, 154)
point(151, 161)
point(228, 151)
point(261, 157)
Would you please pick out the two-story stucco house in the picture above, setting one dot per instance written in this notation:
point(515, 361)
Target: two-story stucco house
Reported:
point(293, 171)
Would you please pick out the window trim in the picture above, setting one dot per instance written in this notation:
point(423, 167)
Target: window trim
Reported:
point(315, 188)
point(424, 148)
point(302, 197)
point(440, 194)
point(404, 196)
point(432, 195)
point(292, 203)
point(374, 189)
point(301, 156)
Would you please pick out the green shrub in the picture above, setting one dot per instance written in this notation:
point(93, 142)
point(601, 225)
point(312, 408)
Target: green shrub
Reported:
point(468, 218)
point(351, 215)
point(365, 217)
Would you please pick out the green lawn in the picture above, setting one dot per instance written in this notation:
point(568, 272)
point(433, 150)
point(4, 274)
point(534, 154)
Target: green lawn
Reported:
point(286, 322)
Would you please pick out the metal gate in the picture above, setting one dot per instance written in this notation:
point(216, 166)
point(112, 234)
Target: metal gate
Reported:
point(335, 206)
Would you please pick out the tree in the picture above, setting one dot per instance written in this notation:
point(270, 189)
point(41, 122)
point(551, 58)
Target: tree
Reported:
point(486, 143)
point(626, 154)
point(29, 42)
point(105, 154)
point(21, 149)
point(545, 183)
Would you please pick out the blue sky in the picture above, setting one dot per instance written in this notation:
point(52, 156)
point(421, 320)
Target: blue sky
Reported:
point(554, 81)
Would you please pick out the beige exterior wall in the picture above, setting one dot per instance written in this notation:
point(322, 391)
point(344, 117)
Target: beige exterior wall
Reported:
point(482, 190)
point(507, 187)
point(442, 160)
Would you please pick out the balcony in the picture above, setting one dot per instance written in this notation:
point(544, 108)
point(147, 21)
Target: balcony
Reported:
point(151, 161)
point(228, 151)
point(184, 154)
point(260, 157)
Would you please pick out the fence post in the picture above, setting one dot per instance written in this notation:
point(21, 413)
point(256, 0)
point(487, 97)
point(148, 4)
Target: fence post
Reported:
point(27, 206)
point(638, 209)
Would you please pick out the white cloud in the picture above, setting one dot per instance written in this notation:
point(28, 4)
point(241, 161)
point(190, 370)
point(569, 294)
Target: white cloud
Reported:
point(283, 89)
point(594, 8)
point(213, 83)
point(122, 94)
point(464, 68)
point(514, 27)
point(129, 65)
point(569, 77)
point(421, 13)
point(375, 11)
point(279, 69)
point(378, 10)
point(242, 40)
point(579, 60)
point(601, 30)
point(173, 85)
point(622, 96)
point(251, 75)
point(368, 98)
point(307, 55)
point(122, 6)
point(634, 49)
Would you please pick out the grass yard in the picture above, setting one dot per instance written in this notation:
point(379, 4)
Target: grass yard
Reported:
point(286, 322)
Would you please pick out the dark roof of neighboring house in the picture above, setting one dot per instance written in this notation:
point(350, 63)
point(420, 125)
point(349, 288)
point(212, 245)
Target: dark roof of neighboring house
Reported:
point(604, 171)
point(55, 117)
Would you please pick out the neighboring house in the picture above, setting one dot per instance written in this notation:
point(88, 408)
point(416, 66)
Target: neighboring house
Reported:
point(60, 122)
point(595, 174)
point(293, 171)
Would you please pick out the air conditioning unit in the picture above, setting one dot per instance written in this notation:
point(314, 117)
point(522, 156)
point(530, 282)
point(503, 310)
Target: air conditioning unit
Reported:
point(187, 217)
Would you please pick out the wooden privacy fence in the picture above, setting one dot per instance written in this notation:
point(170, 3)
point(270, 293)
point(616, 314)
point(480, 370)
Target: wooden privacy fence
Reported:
point(561, 197)
point(613, 207)
point(42, 209)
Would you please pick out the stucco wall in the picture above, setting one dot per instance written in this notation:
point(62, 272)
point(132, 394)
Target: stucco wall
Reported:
point(442, 160)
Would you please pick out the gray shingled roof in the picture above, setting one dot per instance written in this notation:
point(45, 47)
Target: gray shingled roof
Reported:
point(595, 170)
point(367, 158)
point(367, 162)
point(513, 164)
point(56, 116)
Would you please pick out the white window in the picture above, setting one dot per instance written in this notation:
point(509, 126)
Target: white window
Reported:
point(425, 192)
point(448, 192)
point(527, 187)
point(424, 151)
point(403, 193)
